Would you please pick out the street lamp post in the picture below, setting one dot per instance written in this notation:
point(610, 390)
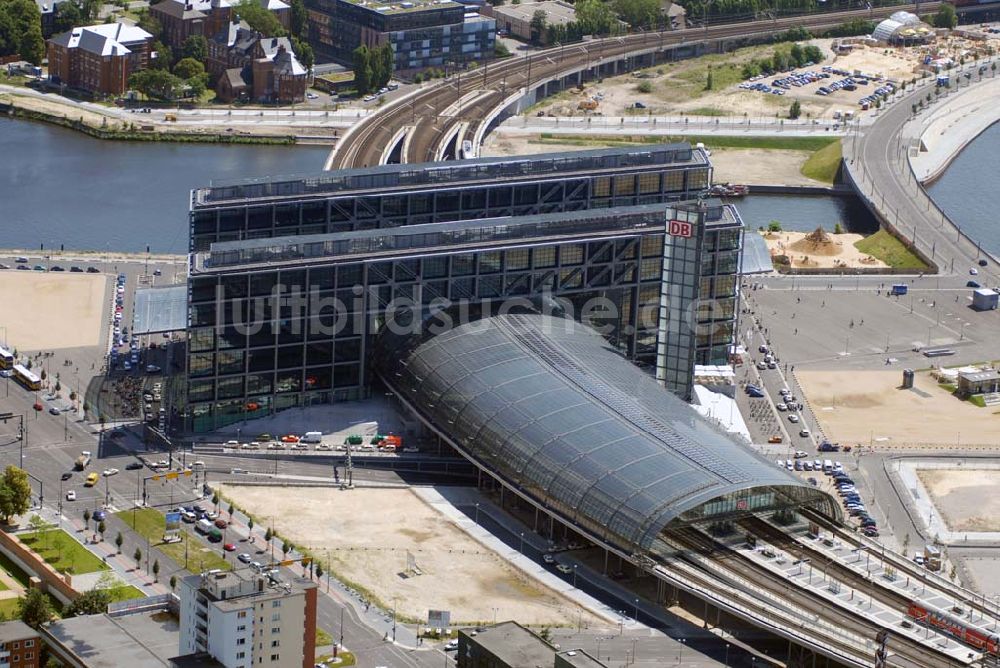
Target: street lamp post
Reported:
point(574, 575)
point(521, 550)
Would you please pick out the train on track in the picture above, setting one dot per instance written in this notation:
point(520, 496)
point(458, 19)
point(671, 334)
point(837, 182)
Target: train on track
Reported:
point(968, 633)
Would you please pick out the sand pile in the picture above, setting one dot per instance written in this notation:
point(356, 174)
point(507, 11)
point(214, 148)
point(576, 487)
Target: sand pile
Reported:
point(817, 242)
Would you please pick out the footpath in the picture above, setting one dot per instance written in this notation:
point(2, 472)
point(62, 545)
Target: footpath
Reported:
point(945, 131)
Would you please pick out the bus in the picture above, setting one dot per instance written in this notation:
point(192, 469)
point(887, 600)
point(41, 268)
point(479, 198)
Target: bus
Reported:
point(6, 359)
point(25, 377)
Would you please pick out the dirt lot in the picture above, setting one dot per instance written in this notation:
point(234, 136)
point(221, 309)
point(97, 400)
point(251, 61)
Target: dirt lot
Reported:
point(368, 533)
point(864, 406)
point(838, 251)
point(56, 310)
point(965, 498)
point(680, 87)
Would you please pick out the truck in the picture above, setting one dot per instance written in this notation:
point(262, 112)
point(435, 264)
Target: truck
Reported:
point(83, 461)
point(899, 289)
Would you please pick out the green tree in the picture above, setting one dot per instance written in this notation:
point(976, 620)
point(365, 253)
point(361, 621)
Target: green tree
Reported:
point(93, 602)
point(386, 58)
point(539, 20)
point(286, 547)
point(21, 30)
point(188, 67)
point(303, 52)
point(795, 110)
point(15, 493)
point(362, 70)
point(230, 509)
point(945, 17)
point(67, 15)
point(319, 570)
point(638, 13)
point(839, 229)
point(298, 19)
point(268, 535)
point(173, 582)
point(164, 56)
point(195, 46)
point(156, 83)
point(594, 17)
point(34, 608)
point(250, 523)
point(119, 540)
point(215, 501)
point(156, 570)
point(149, 23)
point(260, 18)
point(774, 226)
point(101, 528)
point(86, 519)
point(644, 87)
point(137, 555)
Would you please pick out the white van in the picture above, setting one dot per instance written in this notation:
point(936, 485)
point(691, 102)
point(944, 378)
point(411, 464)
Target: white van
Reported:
point(204, 526)
point(827, 466)
point(312, 437)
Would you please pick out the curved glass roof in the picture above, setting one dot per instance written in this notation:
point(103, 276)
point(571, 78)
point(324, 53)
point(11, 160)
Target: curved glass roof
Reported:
point(554, 410)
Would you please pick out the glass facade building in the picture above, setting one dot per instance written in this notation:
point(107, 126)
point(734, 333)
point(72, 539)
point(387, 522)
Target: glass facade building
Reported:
point(397, 195)
point(290, 321)
point(542, 404)
point(422, 33)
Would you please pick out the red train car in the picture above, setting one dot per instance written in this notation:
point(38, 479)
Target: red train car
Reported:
point(972, 635)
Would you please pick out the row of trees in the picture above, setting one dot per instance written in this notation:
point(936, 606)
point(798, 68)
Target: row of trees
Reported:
point(784, 58)
point(372, 67)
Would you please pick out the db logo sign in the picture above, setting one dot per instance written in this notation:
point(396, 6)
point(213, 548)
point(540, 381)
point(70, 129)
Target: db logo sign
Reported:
point(680, 228)
point(741, 504)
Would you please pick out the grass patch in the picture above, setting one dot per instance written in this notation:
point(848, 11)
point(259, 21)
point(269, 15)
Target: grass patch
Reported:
point(13, 570)
point(978, 400)
point(126, 593)
point(707, 111)
point(150, 524)
point(323, 638)
point(889, 249)
point(346, 658)
point(776, 143)
point(824, 163)
point(62, 552)
point(950, 388)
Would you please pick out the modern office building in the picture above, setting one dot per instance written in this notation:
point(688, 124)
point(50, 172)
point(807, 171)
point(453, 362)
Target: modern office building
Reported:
point(423, 33)
point(397, 195)
point(246, 620)
point(284, 322)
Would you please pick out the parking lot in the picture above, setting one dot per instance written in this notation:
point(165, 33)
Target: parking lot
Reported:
point(823, 82)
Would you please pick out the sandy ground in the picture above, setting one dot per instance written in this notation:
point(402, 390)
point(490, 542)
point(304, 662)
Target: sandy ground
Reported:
point(965, 497)
point(619, 93)
point(52, 310)
point(760, 166)
point(840, 252)
point(866, 406)
point(368, 533)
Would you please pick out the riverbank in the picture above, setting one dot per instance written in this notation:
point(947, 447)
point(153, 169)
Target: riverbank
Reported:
point(312, 122)
point(126, 132)
point(944, 132)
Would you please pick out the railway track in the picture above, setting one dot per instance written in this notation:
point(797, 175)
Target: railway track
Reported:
point(420, 114)
point(692, 541)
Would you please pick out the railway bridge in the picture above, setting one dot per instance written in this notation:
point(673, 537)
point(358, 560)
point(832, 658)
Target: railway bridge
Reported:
point(432, 122)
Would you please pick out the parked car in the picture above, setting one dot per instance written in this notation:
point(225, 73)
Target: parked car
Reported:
point(71, 495)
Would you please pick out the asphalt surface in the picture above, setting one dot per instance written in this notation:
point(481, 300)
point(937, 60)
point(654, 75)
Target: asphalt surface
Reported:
point(875, 158)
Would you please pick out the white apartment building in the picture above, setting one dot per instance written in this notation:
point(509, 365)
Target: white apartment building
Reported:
point(246, 620)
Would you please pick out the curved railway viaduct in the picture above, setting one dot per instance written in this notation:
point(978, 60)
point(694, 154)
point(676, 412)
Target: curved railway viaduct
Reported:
point(429, 123)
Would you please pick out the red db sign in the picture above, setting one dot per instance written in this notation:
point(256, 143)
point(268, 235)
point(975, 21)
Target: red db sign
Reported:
point(680, 228)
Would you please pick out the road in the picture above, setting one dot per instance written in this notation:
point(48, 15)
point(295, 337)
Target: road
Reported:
point(431, 115)
point(875, 158)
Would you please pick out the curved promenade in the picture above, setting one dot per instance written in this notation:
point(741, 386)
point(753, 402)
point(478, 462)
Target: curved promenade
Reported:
point(881, 159)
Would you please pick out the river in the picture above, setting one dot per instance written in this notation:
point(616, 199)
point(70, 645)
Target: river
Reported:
point(969, 189)
point(60, 187)
point(64, 188)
